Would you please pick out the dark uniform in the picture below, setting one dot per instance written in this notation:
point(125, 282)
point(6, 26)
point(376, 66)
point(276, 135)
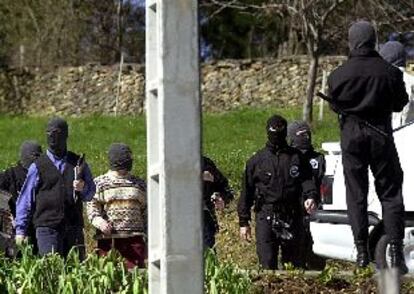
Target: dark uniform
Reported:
point(219, 185)
point(368, 88)
point(300, 137)
point(275, 180)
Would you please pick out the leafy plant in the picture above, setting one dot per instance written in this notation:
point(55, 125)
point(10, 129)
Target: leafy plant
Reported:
point(221, 278)
point(292, 271)
point(328, 274)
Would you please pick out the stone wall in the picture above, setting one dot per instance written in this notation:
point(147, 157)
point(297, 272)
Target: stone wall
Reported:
point(93, 89)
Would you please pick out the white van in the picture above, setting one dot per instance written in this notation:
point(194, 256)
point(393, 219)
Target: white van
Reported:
point(330, 227)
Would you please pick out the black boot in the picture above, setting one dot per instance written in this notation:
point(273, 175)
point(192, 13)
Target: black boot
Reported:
point(362, 254)
point(397, 256)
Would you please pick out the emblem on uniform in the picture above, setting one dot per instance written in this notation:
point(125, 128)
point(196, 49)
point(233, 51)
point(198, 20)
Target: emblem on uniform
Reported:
point(294, 171)
point(314, 163)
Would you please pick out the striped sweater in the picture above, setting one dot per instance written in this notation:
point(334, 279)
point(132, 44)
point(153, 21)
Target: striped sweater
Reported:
point(120, 200)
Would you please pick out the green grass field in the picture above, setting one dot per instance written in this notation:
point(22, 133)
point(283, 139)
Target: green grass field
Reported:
point(228, 138)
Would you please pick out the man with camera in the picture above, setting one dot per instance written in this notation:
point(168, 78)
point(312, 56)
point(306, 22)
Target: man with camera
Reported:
point(275, 180)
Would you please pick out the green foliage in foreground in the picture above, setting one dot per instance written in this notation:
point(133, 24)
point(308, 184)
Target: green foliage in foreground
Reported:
point(222, 278)
point(53, 275)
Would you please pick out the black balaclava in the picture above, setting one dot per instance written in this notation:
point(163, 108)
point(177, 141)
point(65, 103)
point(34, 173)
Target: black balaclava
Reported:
point(57, 136)
point(29, 152)
point(276, 128)
point(394, 53)
point(299, 134)
point(361, 35)
point(120, 157)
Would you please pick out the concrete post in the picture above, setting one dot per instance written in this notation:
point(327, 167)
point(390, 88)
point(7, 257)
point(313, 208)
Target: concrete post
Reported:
point(173, 144)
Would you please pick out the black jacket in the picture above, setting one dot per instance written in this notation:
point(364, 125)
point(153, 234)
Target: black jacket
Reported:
point(219, 185)
point(368, 86)
point(12, 180)
point(279, 177)
point(318, 165)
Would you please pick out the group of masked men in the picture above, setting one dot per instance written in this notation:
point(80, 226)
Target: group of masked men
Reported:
point(281, 181)
point(48, 191)
point(47, 194)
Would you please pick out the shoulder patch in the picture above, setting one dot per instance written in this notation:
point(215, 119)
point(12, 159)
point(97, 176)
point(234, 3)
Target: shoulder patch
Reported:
point(314, 163)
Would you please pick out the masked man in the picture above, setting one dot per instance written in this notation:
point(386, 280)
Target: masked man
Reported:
point(366, 90)
point(300, 137)
point(119, 209)
point(54, 197)
point(394, 53)
point(12, 179)
point(276, 180)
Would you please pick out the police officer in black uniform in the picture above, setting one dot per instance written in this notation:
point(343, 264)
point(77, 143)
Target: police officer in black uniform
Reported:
point(275, 180)
point(216, 194)
point(300, 137)
point(365, 91)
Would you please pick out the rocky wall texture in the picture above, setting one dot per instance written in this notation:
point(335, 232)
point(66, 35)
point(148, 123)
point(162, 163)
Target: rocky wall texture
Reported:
point(94, 89)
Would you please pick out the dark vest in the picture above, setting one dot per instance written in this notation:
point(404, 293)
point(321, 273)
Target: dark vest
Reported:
point(54, 202)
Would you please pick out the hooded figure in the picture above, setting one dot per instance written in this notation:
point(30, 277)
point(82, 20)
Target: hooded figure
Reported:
point(29, 152)
point(12, 180)
point(300, 137)
point(57, 136)
point(48, 196)
point(366, 87)
point(299, 134)
point(276, 128)
point(362, 35)
point(394, 52)
point(277, 181)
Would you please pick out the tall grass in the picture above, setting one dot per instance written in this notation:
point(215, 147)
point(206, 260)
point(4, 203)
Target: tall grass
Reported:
point(53, 275)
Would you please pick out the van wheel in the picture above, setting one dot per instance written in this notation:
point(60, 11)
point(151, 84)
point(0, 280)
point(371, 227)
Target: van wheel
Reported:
point(381, 252)
point(382, 257)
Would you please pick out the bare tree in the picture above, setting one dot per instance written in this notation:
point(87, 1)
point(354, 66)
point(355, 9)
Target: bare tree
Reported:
point(310, 16)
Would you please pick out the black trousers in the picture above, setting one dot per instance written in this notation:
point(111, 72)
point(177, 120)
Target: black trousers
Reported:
point(267, 245)
point(209, 229)
point(363, 147)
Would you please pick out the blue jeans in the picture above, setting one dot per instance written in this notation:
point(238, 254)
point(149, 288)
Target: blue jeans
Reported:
point(60, 240)
point(49, 240)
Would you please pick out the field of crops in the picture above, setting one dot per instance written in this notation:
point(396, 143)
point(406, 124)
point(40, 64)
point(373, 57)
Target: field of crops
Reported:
point(229, 139)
